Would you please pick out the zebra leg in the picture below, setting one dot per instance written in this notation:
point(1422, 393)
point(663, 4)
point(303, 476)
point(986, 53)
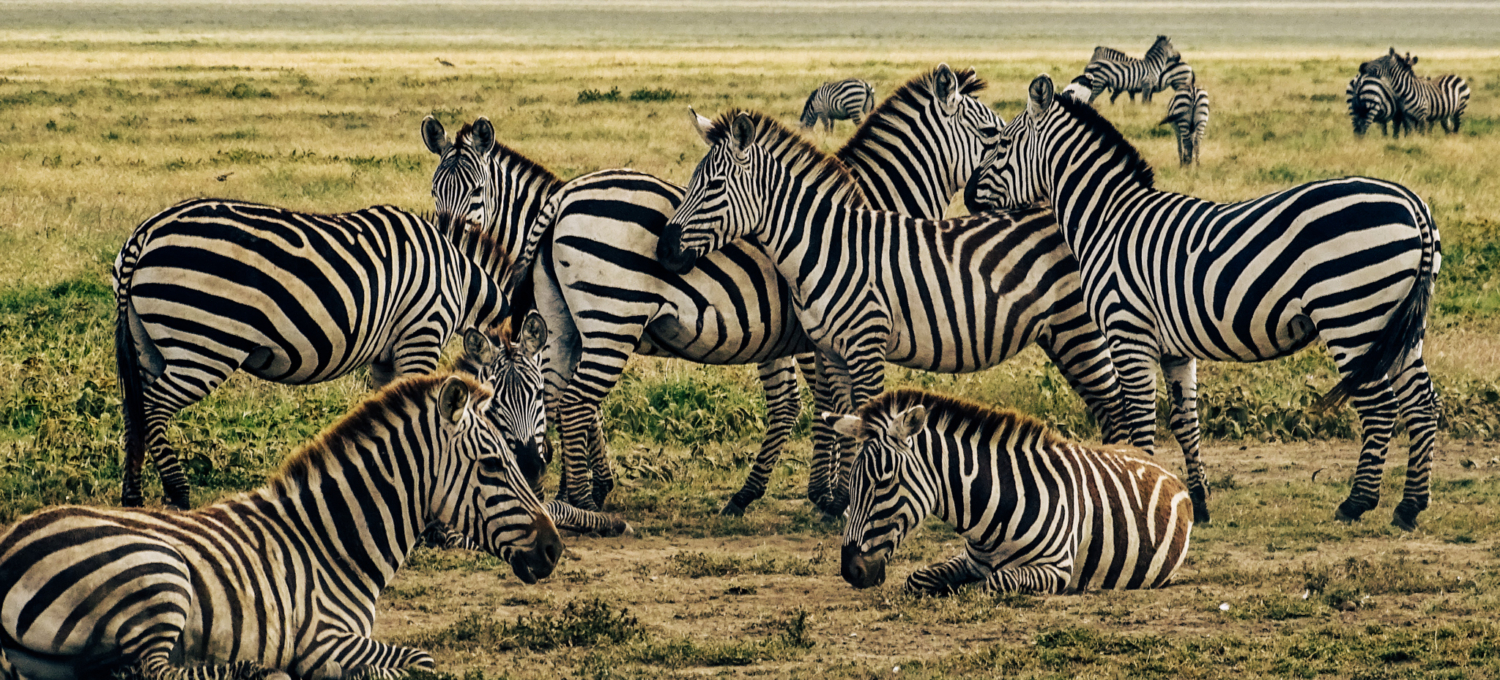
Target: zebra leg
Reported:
point(355, 656)
point(1137, 373)
point(604, 475)
point(831, 392)
point(1376, 406)
point(1421, 412)
point(1047, 579)
point(568, 518)
point(1087, 368)
point(946, 577)
point(783, 405)
point(169, 395)
point(580, 428)
point(1182, 385)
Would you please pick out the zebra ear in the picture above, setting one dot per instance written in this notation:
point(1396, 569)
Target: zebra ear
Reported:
point(945, 88)
point(742, 134)
point(434, 136)
point(1040, 94)
point(533, 333)
point(848, 426)
point(909, 422)
point(703, 125)
point(453, 398)
point(482, 135)
point(478, 346)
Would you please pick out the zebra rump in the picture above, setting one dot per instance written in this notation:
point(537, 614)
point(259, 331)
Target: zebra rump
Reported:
point(1040, 513)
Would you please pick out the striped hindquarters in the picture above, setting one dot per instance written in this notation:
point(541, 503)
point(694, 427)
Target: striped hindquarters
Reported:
point(843, 100)
point(1136, 524)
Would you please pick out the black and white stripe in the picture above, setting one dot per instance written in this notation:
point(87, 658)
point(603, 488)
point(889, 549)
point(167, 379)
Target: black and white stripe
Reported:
point(850, 100)
point(1173, 279)
point(596, 271)
point(208, 287)
point(1188, 114)
point(1127, 74)
point(1040, 513)
point(1422, 100)
point(1370, 101)
point(952, 296)
point(281, 580)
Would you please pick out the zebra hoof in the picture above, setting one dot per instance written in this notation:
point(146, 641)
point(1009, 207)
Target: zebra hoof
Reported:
point(1349, 512)
point(1405, 517)
point(732, 509)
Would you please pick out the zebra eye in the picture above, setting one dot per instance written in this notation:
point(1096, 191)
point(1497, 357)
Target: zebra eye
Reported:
point(492, 464)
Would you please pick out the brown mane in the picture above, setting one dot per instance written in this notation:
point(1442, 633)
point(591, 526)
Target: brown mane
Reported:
point(793, 150)
point(943, 409)
point(913, 93)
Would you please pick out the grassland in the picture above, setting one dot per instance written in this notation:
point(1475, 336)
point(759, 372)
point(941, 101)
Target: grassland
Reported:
point(102, 123)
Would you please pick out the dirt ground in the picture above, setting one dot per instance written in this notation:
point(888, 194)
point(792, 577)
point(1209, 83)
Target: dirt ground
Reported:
point(1234, 570)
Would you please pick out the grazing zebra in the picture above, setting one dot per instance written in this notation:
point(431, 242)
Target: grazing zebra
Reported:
point(1370, 102)
point(952, 296)
point(596, 270)
point(208, 287)
point(1041, 514)
point(850, 100)
point(1421, 100)
point(1133, 75)
point(1173, 279)
point(1188, 114)
point(278, 580)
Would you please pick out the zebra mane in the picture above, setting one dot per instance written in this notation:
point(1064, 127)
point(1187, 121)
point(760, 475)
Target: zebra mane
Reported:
point(942, 409)
point(793, 150)
point(912, 93)
point(523, 164)
point(356, 425)
point(487, 250)
point(1110, 138)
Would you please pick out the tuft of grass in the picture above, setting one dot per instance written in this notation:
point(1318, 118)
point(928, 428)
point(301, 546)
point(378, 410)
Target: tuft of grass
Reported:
point(586, 622)
point(702, 564)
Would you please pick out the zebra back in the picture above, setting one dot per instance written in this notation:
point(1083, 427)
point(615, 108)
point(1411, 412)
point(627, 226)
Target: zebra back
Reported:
point(1040, 513)
point(1102, 53)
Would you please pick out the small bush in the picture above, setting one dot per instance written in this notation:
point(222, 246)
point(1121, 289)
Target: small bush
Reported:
point(590, 96)
point(656, 95)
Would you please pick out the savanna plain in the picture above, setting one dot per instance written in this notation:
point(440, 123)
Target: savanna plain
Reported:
point(100, 127)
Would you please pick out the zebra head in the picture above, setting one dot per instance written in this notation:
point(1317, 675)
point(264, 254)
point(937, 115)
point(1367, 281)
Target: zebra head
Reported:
point(463, 174)
point(481, 493)
point(512, 370)
point(886, 499)
point(718, 207)
point(1012, 176)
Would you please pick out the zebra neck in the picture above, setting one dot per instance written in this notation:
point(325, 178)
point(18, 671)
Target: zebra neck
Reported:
point(896, 191)
point(520, 191)
point(799, 235)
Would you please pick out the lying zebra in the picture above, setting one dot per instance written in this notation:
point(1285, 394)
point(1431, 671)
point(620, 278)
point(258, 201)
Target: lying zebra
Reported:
point(1041, 514)
point(281, 580)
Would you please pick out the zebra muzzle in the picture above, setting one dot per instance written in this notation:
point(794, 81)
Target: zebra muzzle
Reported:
point(669, 251)
point(860, 570)
point(537, 562)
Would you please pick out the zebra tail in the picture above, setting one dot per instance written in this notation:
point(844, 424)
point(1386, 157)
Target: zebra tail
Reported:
point(133, 403)
point(1408, 326)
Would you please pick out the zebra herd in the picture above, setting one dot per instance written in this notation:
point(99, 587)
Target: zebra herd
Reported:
point(777, 254)
point(1388, 91)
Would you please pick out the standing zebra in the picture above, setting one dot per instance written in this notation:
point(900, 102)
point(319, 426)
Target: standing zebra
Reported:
point(1370, 102)
point(1173, 279)
point(1176, 77)
point(596, 271)
point(283, 578)
point(208, 287)
point(1421, 100)
point(1133, 75)
point(952, 296)
point(1041, 514)
point(850, 100)
point(1188, 114)
point(1102, 53)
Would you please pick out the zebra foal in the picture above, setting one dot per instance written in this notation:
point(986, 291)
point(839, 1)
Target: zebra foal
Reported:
point(209, 287)
point(1040, 513)
point(850, 100)
point(1173, 279)
point(278, 580)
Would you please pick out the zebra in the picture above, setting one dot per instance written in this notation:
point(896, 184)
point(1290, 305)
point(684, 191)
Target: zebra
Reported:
point(1370, 102)
point(952, 296)
point(1421, 100)
point(1102, 53)
point(596, 270)
point(281, 580)
point(1176, 77)
point(1041, 514)
point(850, 100)
point(1173, 279)
point(1188, 114)
point(1133, 75)
point(211, 286)
point(1082, 88)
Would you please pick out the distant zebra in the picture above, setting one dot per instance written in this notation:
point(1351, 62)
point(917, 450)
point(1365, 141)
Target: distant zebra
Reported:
point(851, 100)
point(1133, 75)
point(1422, 100)
point(1188, 114)
point(278, 580)
point(596, 271)
point(1041, 514)
point(1176, 77)
point(1173, 279)
point(208, 287)
point(1370, 102)
point(951, 296)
